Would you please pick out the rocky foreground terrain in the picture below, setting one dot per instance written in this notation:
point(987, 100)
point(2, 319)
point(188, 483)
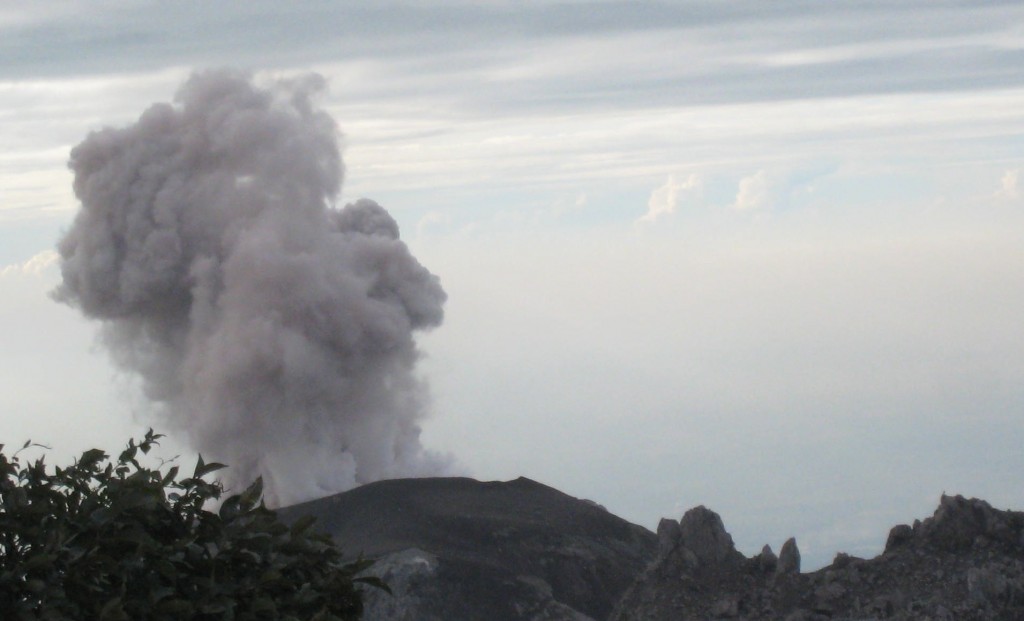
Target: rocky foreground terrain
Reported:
point(966, 562)
point(462, 550)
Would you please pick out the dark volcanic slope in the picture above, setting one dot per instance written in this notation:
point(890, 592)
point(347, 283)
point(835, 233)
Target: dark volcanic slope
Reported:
point(456, 548)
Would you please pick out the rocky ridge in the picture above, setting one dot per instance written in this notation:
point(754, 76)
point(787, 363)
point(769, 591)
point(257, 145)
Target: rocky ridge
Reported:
point(965, 563)
point(465, 550)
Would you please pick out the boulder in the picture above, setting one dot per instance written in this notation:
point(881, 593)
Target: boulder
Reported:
point(767, 562)
point(668, 535)
point(898, 536)
point(789, 558)
point(702, 532)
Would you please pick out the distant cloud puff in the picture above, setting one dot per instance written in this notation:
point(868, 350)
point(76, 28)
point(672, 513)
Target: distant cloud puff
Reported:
point(581, 201)
point(665, 199)
point(33, 266)
point(753, 192)
point(565, 205)
point(431, 221)
point(1010, 185)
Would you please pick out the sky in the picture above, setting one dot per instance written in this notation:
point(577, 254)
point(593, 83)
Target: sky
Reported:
point(765, 257)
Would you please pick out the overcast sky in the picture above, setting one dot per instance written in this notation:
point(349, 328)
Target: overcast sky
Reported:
point(766, 257)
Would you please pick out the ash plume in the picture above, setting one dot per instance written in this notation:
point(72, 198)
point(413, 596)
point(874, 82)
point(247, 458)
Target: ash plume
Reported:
point(273, 330)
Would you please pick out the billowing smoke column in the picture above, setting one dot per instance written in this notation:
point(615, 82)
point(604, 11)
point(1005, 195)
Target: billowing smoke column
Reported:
point(273, 330)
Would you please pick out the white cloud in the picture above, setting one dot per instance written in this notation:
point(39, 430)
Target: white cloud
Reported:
point(432, 221)
point(753, 192)
point(581, 201)
point(1010, 185)
point(665, 199)
point(33, 266)
point(566, 205)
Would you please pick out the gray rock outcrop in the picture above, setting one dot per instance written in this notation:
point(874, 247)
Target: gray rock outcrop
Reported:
point(767, 562)
point(965, 563)
point(789, 558)
point(701, 532)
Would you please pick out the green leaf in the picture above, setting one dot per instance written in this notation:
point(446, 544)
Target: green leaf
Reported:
point(375, 582)
point(176, 608)
point(230, 509)
point(252, 494)
point(35, 586)
point(302, 524)
point(128, 455)
point(358, 565)
point(160, 593)
point(270, 576)
point(167, 570)
point(203, 468)
point(171, 475)
point(263, 605)
point(102, 515)
point(90, 458)
point(213, 607)
point(113, 610)
point(39, 562)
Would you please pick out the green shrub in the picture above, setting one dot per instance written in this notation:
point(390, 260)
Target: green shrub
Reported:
point(115, 541)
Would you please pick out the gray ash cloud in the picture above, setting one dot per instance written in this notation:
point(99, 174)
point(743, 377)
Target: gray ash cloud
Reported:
point(272, 330)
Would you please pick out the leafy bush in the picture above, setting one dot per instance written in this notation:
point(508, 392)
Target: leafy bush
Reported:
point(116, 541)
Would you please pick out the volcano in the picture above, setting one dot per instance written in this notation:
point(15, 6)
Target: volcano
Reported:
point(457, 548)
